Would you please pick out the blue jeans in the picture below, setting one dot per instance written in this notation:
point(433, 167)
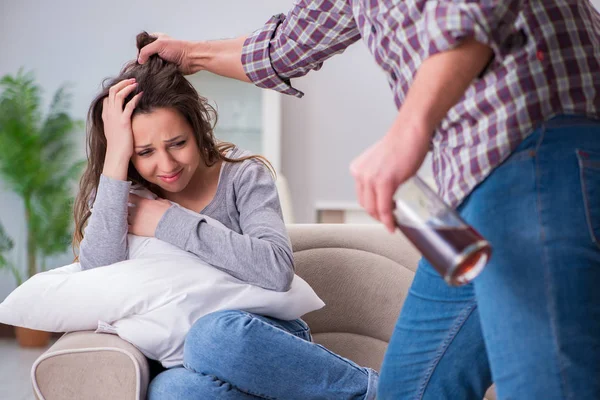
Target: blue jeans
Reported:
point(238, 355)
point(530, 321)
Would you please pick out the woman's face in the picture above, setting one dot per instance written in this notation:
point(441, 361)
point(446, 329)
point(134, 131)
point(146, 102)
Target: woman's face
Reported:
point(165, 152)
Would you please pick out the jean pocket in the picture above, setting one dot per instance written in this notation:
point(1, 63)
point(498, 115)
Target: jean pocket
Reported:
point(589, 169)
point(298, 328)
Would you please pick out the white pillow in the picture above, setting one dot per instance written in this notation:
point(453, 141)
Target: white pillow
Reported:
point(150, 300)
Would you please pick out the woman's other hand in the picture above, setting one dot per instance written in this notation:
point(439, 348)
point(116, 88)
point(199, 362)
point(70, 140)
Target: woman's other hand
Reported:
point(144, 214)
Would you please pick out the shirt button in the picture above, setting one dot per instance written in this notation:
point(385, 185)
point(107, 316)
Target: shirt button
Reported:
point(373, 29)
point(393, 76)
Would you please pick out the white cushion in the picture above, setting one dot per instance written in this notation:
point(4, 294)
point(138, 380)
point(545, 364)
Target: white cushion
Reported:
point(150, 300)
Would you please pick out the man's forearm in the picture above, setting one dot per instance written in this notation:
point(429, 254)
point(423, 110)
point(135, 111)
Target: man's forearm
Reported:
point(439, 84)
point(221, 57)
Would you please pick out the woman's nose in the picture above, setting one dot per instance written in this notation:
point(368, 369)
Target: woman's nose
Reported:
point(167, 163)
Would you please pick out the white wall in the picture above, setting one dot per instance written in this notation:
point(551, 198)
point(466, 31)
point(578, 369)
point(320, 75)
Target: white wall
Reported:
point(346, 107)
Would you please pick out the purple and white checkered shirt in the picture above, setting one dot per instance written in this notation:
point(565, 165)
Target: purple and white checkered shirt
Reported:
point(546, 62)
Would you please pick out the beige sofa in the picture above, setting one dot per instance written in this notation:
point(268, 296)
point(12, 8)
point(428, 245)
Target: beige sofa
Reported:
point(361, 272)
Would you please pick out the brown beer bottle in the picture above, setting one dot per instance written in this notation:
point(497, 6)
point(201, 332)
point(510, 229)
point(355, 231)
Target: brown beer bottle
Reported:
point(456, 250)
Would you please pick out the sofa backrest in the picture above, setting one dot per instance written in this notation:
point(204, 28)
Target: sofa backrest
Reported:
point(362, 273)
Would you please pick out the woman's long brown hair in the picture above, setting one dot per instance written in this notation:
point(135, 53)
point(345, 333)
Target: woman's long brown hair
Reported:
point(164, 87)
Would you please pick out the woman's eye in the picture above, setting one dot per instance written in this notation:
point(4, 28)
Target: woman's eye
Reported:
point(179, 144)
point(144, 153)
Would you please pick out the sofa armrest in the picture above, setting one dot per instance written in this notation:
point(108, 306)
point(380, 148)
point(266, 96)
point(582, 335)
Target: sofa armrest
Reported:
point(88, 365)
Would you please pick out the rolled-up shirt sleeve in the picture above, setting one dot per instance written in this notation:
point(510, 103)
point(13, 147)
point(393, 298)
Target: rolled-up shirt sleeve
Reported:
point(289, 46)
point(492, 23)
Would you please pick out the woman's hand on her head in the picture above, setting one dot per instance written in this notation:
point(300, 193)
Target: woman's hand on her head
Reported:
point(143, 214)
point(169, 49)
point(117, 120)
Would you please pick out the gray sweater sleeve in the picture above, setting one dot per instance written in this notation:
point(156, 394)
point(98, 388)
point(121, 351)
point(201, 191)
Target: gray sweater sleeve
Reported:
point(105, 236)
point(261, 255)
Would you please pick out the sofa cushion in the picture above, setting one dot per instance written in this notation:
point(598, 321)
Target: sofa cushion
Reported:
point(355, 274)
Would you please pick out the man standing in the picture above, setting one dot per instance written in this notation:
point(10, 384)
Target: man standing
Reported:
point(507, 96)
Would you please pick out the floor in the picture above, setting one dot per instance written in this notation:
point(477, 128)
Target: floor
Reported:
point(15, 367)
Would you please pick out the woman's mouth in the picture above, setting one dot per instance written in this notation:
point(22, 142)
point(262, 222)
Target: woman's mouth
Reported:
point(171, 178)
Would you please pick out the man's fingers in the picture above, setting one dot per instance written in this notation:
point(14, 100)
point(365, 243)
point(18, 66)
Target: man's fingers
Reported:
point(370, 200)
point(384, 196)
point(150, 49)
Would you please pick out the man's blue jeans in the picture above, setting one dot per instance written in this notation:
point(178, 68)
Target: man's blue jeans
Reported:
point(238, 355)
point(531, 321)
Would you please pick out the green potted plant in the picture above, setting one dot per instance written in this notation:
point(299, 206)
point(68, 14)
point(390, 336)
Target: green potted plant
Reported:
point(6, 245)
point(36, 163)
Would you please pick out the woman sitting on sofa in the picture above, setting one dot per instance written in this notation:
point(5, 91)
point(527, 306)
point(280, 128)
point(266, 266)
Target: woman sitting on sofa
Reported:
point(150, 127)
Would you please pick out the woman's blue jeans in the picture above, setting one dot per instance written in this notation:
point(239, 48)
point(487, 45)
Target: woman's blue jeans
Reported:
point(531, 321)
point(238, 355)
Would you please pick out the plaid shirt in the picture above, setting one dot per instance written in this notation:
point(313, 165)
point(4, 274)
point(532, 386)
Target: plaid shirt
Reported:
point(546, 62)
